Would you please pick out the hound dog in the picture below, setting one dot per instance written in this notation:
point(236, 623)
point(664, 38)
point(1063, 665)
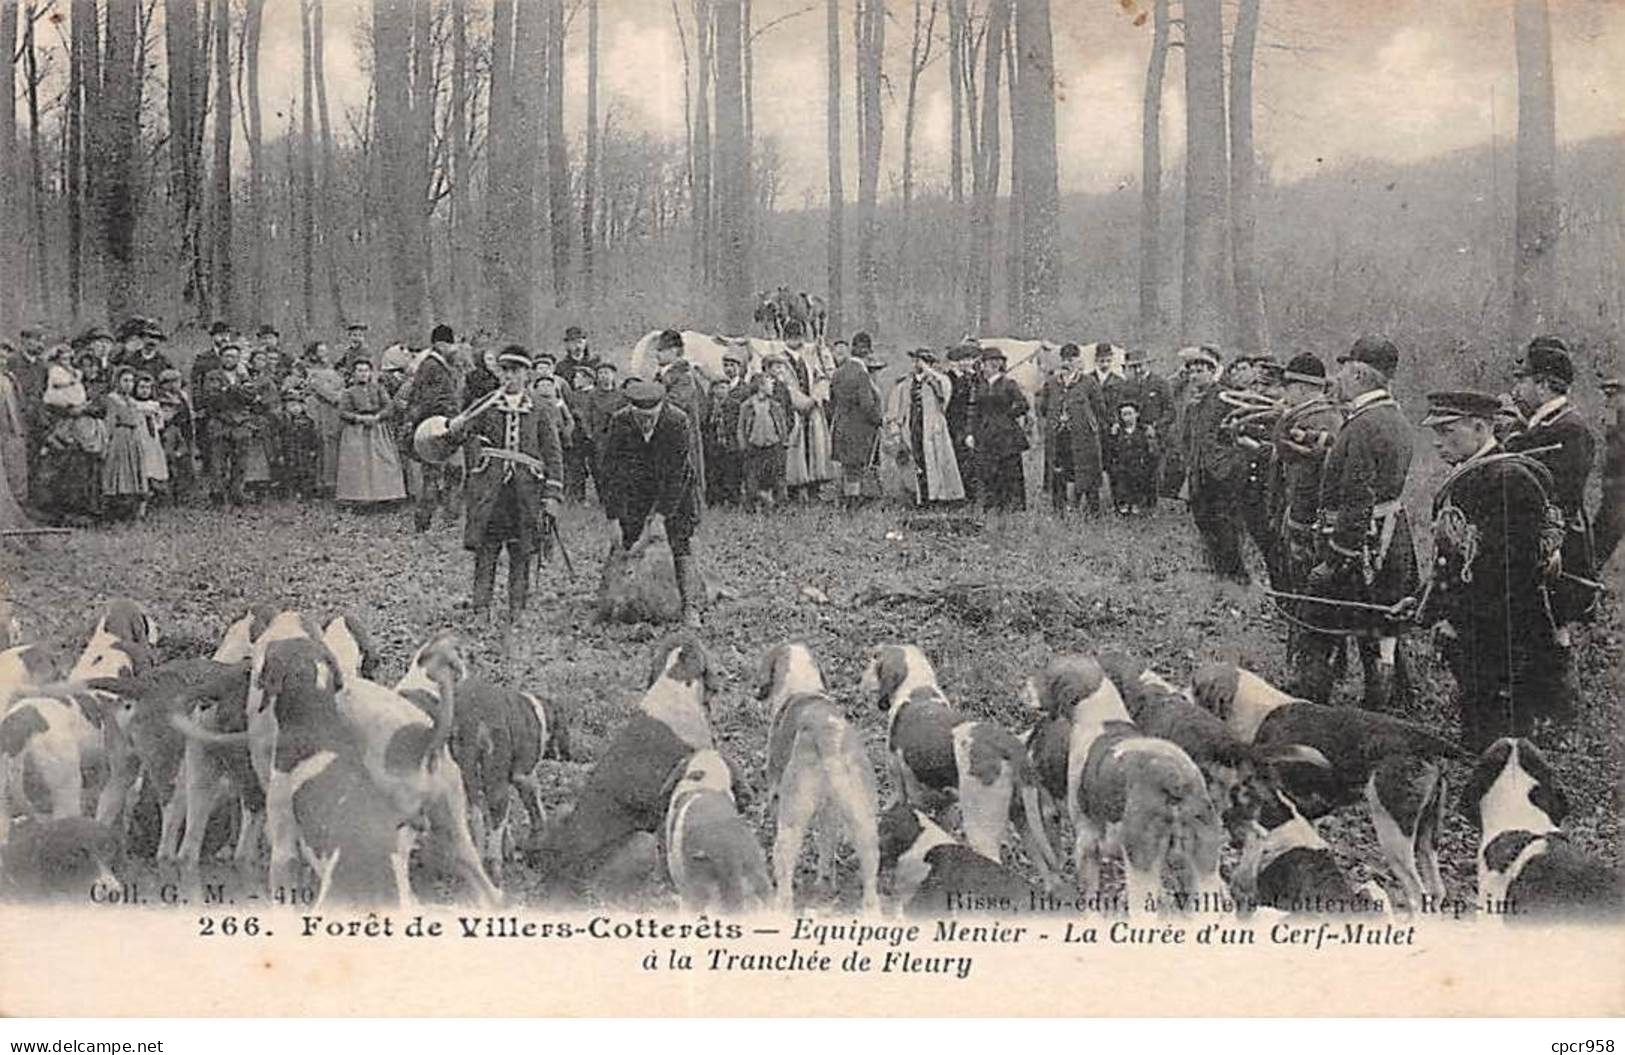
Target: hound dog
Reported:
point(1285, 865)
point(936, 753)
point(350, 641)
point(122, 641)
point(1528, 870)
point(1128, 793)
point(935, 875)
point(622, 803)
point(1385, 760)
point(63, 858)
point(499, 739)
point(24, 667)
point(711, 853)
point(818, 773)
point(51, 746)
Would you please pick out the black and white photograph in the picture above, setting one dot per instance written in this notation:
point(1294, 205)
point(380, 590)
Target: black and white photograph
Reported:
point(776, 507)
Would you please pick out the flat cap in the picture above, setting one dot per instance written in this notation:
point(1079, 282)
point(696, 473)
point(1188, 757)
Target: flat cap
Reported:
point(1305, 367)
point(645, 395)
point(926, 355)
point(268, 330)
point(574, 333)
point(1445, 407)
point(514, 355)
point(1204, 353)
point(218, 327)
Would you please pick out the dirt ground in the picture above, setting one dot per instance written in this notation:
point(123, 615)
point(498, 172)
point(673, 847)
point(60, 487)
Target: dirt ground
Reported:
point(989, 605)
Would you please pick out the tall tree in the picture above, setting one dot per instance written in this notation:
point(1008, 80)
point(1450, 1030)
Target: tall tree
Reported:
point(1014, 262)
point(258, 273)
point(985, 174)
point(589, 165)
point(326, 228)
point(1202, 309)
point(36, 171)
point(503, 300)
point(414, 190)
point(834, 250)
point(222, 290)
point(558, 159)
point(1040, 170)
point(869, 52)
point(701, 149)
point(1252, 330)
point(10, 265)
point(306, 198)
point(462, 176)
point(956, 98)
point(399, 167)
point(733, 170)
point(81, 60)
point(919, 56)
point(1536, 224)
point(116, 131)
point(1151, 323)
point(528, 81)
point(187, 58)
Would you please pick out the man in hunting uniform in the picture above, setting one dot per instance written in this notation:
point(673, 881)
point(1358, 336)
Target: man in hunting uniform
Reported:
point(1215, 468)
point(1497, 542)
point(515, 478)
point(1366, 561)
point(431, 391)
point(1556, 435)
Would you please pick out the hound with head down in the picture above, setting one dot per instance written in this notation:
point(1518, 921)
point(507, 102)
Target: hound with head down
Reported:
point(1129, 794)
point(1389, 762)
point(711, 853)
point(937, 754)
point(933, 874)
point(1285, 865)
point(1528, 870)
point(818, 772)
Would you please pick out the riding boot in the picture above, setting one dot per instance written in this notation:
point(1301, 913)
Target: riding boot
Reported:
point(518, 584)
point(1379, 678)
point(485, 577)
point(1312, 665)
point(688, 589)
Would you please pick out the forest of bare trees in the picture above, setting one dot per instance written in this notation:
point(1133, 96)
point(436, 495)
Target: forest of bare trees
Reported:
point(142, 167)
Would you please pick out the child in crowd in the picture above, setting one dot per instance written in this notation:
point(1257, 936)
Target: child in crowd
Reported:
point(301, 455)
point(154, 465)
point(177, 431)
point(763, 427)
point(124, 481)
point(1133, 452)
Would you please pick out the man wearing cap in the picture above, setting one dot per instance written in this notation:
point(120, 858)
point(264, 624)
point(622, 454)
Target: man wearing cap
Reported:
point(1105, 378)
point(355, 348)
point(598, 406)
point(648, 481)
point(431, 391)
point(150, 359)
point(1365, 554)
point(1001, 435)
point(515, 478)
point(1253, 434)
point(1302, 436)
point(28, 369)
point(916, 418)
point(854, 416)
point(577, 359)
point(1496, 541)
point(1149, 392)
point(686, 390)
point(1610, 520)
point(229, 403)
point(1072, 450)
point(725, 474)
point(1557, 436)
point(270, 339)
point(1215, 468)
point(964, 365)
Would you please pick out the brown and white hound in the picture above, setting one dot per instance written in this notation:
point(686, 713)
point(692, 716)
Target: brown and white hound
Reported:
point(933, 874)
point(712, 855)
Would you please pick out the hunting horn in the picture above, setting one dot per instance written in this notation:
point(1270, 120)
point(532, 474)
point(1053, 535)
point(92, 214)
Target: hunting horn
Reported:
point(432, 439)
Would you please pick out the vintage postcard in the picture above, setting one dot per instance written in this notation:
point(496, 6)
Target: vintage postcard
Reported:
point(764, 507)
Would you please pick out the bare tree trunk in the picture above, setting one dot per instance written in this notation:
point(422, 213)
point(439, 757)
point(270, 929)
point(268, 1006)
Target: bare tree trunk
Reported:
point(186, 73)
point(501, 300)
point(919, 55)
point(462, 176)
point(956, 99)
point(589, 170)
point(75, 160)
point(1039, 166)
point(704, 234)
point(36, 181)
point(834, 249)
point(558, 159)
point(1014, 278)
point(871, 49)
point(398, 159)
point(986, 174)
point(753, 214)
point(733, 171)
point(1251, 325)
point(253, 23)
point(118, 132)
point(221, 292)
point(330, 237)
point(1202, 307)
point(414, 193)
point(10, 265)
point(307, 169)
point(1536, 225)
point(528, 90)
point(1151, 325)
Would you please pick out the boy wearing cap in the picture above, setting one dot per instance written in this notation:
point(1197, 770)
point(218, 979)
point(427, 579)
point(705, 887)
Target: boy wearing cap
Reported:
point(1000, 435)
point(1610, 520)
point(515, 477)
point(431, 391)
point(1557, 436)
point(1496, 540)
point(1365, 552)
point(648, 480)
point(722, 454)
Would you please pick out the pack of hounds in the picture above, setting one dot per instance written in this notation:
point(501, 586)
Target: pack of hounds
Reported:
point(346, 778)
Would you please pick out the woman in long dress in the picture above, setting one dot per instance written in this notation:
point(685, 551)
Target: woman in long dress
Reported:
point(124, 482)
point(369, 464)
point(154, 463)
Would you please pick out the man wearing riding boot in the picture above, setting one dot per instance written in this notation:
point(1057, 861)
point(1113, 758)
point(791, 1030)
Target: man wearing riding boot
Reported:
point(1365, 559)
point(1303, 434)
point(431, 391)
point(515, 477)
point(854, 417)
point(648, 481)
point(1557, 436)
point(1498, 541)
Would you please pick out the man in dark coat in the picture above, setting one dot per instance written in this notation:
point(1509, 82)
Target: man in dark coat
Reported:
point(725, 473)
point(1497, 537)
point(597, 407)
point(28, 369)
point(355, 349)
point(1000, 435)
point(515, 478)
point(231, 406)
point(1366, 554)
point(963, 372)
point(854, 416)
point(686, 389)
point(577, 359)
point(1215, 468)
point(1557, 436)
point(649, 482)
point(432, 390)
point(1610, 521)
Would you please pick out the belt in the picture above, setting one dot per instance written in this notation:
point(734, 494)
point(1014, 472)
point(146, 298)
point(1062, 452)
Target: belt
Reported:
point(512, 458)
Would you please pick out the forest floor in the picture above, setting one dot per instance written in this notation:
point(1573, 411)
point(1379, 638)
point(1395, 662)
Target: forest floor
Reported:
point(989, 606)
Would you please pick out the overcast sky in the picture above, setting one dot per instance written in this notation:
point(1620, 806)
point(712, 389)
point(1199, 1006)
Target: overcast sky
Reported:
point(1337, 80)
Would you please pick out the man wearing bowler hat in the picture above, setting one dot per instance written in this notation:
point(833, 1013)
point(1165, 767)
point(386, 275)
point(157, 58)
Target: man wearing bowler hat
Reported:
point(1557, 436)
point(1365, 555)
point(1001, 435)
point(647, 481)
point(515, 477)
point(964, 370)
point(431, 391)
point(1496, 543)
